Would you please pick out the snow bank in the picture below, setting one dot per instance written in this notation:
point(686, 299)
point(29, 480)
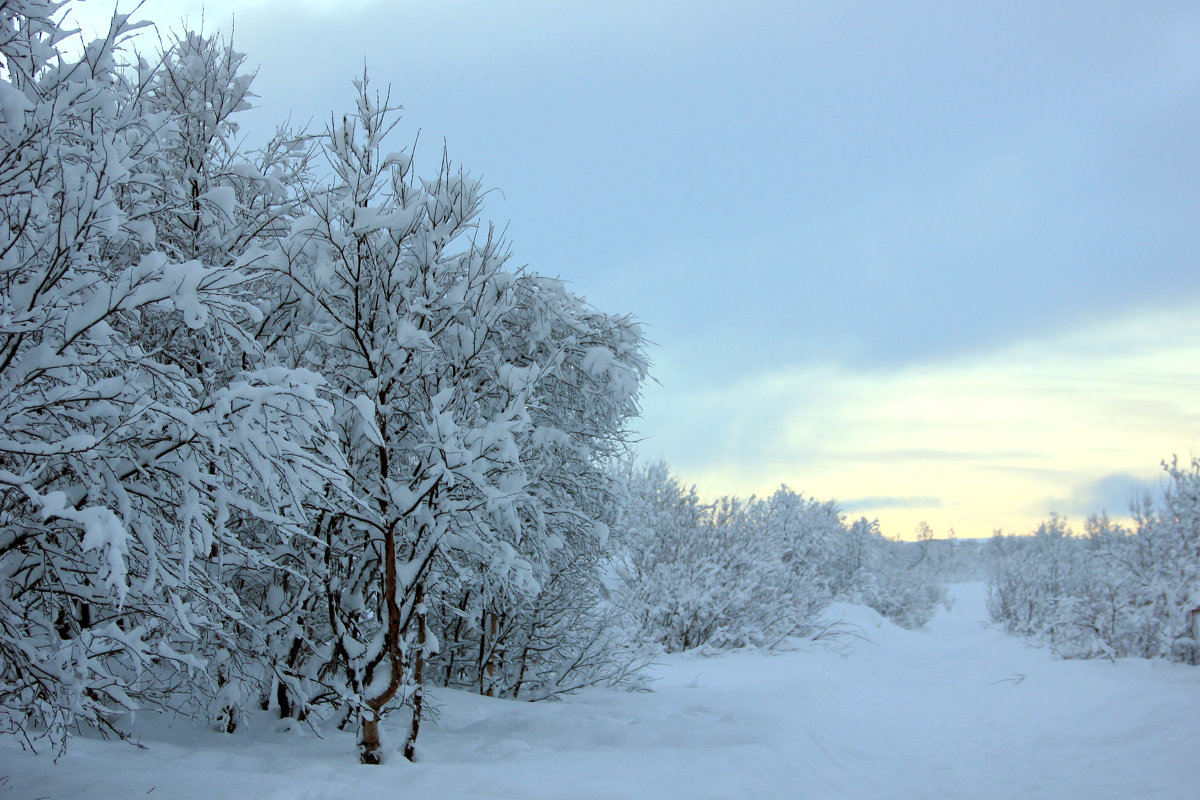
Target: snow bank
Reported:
point(954, 711)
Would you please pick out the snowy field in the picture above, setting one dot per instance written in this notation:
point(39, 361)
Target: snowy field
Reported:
point(956, 711)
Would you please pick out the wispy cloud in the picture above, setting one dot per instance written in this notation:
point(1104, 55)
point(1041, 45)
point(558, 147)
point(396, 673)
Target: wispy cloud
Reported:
point(859, 504)
point(918, 454)
point(850, 295)
point(1113, 494)
point(1073, 423)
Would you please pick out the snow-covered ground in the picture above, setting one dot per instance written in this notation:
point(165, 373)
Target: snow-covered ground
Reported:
point(955, 711)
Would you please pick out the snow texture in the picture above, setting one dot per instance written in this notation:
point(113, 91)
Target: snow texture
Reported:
point(958, 710)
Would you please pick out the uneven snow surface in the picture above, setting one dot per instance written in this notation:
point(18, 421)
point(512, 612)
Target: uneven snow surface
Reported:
point(955, 711)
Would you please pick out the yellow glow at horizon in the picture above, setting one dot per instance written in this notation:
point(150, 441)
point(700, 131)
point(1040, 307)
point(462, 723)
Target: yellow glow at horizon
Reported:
point(998, 438)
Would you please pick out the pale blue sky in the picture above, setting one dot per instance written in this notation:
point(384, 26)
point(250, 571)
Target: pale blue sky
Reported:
point(936, 259)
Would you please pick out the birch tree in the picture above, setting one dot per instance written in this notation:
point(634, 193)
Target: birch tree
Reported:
point(119, 469)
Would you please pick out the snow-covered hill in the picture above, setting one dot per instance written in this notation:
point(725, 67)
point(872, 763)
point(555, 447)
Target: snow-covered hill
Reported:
point(955, 711)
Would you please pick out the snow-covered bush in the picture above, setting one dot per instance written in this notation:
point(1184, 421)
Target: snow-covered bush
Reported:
point(898, 579)
point(259, 430)
point(473, 405)
point(1069, 591)
point(694, 574)
point(566, 637)
point(752, 572)
point(1031, 577)
point(1111, 592)
point(584, 365)
point(125, 467)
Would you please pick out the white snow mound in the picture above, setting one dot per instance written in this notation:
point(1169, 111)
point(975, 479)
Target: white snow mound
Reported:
point(955, 711)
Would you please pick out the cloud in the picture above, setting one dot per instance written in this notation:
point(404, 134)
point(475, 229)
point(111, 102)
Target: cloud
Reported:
point(1075, 423)
point(868, 277)
point(815, 186)
point(1112, 494)
point(929, 454)
point(876, 503)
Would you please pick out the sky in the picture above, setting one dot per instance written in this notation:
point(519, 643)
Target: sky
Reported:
point(936, 260)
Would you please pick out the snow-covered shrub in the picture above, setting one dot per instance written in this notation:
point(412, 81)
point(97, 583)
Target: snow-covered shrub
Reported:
point(752, 572)
point(566, 637)
point(898, 579)
point(1069, 591)
point(1111, 592)
point(256, 427)
point(473, 405)
point(583, 365)
point(125, 466)
point(1032, 577)
point(694, 574)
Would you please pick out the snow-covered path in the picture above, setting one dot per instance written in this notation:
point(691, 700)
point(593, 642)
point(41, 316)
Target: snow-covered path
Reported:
point(955, 711)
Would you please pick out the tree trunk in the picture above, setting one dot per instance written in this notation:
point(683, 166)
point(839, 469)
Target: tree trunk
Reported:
point(489, 670)
point(282, 698)
point(418, 699)
point(369, 743)
point(227, 717)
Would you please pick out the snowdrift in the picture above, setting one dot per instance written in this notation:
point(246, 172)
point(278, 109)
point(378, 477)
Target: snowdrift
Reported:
point(956, 710)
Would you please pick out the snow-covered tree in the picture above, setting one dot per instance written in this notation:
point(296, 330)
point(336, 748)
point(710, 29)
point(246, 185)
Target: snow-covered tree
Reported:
point(212, 203)
point(587, 366)
point(449, 375)
point(120, 471)
point(752, 572)
point(732, 573)
point(262, 435)
point(1113, 591)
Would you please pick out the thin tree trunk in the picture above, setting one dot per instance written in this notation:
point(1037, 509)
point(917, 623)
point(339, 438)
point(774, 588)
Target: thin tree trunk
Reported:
point(281, 697)
point(418, 700)
point(452, 649)
point(489, 670)
point(227, 717)
point(369, 743)
point(481, 662)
